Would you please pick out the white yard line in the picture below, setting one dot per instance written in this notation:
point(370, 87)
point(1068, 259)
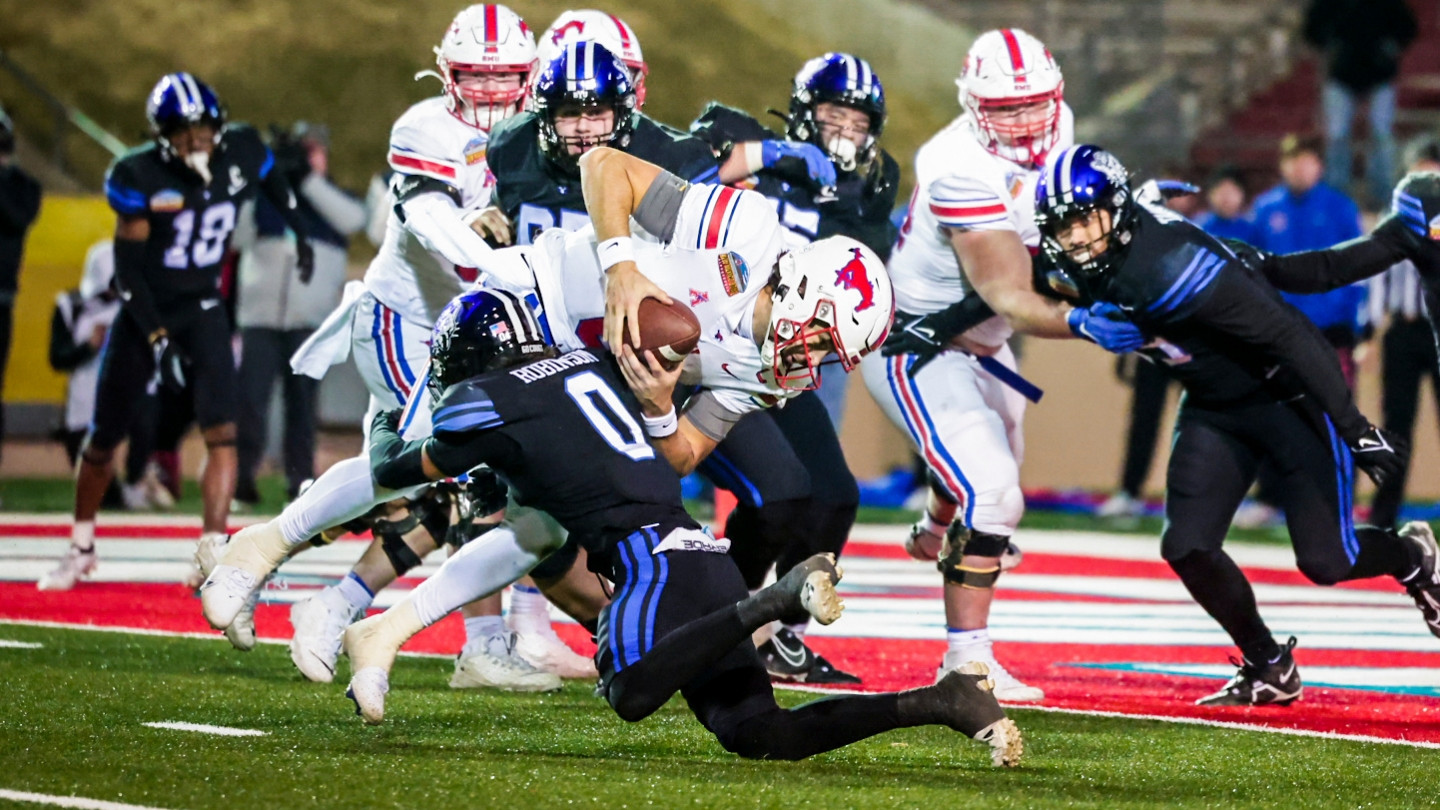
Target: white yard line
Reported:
point(78, 802)
point(203, 728)
point(7, 644)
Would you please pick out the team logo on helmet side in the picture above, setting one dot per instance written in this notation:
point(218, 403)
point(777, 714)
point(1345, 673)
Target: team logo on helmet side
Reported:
point(1110, 166)
point(854, 276)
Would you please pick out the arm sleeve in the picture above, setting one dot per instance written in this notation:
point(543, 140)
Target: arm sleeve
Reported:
point(458, 453)
point(1240, 307)
point(1318, 271)
point(344, 213)
point(277, 190)
point(715, 412)
point(134, 288)
point(19, 201)
point(65, 353)
point(968, 204)
point(436, 219)
point(395, 463)
point(659, 209)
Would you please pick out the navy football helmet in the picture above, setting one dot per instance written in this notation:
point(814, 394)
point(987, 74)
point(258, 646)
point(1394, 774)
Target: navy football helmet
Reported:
point(837, 78)
point(584, 76)
point(1077, 183)
point(480, 331)
point(178, 101)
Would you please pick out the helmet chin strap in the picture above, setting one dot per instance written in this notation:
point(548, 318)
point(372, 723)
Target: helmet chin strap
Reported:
point(200, 162)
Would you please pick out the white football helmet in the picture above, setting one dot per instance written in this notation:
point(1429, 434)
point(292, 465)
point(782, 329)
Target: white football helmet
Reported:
point(1009, 68)
point(486, 38)
point(597, 26)
point(835, 287)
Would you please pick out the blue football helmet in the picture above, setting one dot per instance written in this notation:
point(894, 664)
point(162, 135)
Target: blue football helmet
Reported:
point(584, 76)
point(1076, 183)
point(180, 100)
point(480, 331)
point(837, 78)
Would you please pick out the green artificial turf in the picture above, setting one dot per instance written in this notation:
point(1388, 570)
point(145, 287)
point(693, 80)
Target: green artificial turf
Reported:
point(70, 724)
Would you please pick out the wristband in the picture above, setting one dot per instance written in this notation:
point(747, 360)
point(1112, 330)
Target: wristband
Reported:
point(658, 427)
point(613, 251)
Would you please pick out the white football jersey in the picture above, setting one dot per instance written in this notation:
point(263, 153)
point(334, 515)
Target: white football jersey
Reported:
point(406, 275)
point(960, 185)
point(717, 261)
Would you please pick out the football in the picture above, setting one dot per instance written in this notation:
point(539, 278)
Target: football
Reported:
point(671, 331)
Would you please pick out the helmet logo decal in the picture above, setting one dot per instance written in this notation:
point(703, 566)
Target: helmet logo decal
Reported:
point(854, 276)
point(578, 26)
point(1108, 165)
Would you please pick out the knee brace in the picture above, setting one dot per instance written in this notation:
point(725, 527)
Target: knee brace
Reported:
point(959, 542)
point(558, 564)
point(431, 510)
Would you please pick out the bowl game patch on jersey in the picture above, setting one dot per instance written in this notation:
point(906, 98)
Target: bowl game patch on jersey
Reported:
point(475, 151)
point(166, 201)
point(734, 274)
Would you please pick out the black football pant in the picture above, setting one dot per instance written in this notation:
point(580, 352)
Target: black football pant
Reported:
point(1407, 358)
point(673, 626)
point(795, 494)
point(1216, 454)
point(1147, 406)
point(264, 356)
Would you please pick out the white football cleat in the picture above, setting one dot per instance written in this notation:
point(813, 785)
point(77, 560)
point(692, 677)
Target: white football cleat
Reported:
point(923, 544)
point(548, 652)
point(225, 593)
point(241, 632)
point(493, 664)
point(208, 551)
point(1008, 688)
point(368, 688)
point(250, 556)
point(319, 624)
point(74, 566)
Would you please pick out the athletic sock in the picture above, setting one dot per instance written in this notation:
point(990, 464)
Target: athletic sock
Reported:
point(529, 610)
point(355, 592)
point(82, 535)
point(965, 640)
point(479, 629)
point(933, 525)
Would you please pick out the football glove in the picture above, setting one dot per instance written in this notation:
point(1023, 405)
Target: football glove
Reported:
point(1415, 204)
point(304, 260)
point(817, 164)
point(170, 364)
point(926, 336)
point(1105, 325)
point(1380, 453)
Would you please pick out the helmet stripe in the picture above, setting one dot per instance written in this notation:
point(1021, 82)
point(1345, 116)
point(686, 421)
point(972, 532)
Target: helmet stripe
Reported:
point(1068, 190)
point(624, 33)
point(1017, 59)
point(492, 26)
point(589, 60)
point(182, 93)
point(849, 70)
point(865, 76)
point(194, 92)
point(572, 52)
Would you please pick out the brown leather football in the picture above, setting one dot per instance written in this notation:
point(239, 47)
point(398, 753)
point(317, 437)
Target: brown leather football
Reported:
point(671, 331)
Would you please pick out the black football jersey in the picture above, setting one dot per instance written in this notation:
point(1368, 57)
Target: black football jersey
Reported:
point(536, 194)
point(1220, 329)
point(861, 204)
point(565, 433)
point(191, 221)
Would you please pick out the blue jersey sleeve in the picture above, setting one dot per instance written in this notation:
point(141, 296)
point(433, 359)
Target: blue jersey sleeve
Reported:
point(123, 190)
point(465, 408)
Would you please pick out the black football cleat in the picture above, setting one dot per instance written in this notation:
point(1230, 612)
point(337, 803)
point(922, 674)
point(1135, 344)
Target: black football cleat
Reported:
point(788, 659)
point(1423, 584)
point(964, 700)
point(1276, 683)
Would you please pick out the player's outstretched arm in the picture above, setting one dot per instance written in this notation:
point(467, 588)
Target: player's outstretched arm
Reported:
point(676, 437)
point(614, 184)
point(395, 463)
point(997, 265)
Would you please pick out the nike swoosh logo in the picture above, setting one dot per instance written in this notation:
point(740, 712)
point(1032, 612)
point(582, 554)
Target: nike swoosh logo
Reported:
point(725, 367)
point(794, 658)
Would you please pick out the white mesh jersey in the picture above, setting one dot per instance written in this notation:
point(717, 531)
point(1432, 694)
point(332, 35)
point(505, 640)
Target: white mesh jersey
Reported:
point(717, 259)
point(406, 275)
point(959, 185)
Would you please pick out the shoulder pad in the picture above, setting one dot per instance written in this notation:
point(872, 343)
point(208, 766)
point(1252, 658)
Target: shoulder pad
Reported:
point(126, 189)
point(465, 406)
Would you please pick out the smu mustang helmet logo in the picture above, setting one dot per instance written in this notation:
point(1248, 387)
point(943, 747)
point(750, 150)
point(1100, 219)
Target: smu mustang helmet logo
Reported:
point(854, 276)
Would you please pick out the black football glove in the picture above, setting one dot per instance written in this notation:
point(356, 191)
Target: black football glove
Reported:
point(171, 365)
point(926, 336)
point(1414, 205)
point(1380, 453)
point(304, 260)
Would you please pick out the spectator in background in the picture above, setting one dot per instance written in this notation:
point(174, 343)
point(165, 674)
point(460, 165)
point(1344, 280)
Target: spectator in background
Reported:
point(277, 310)
point(19, 205)
point(1362, 41)
point(1225, 198)
point(1407, 352)
point(1306, 213)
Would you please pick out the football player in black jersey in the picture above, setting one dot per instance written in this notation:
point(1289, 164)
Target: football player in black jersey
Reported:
point(176, 200)
point(1260, 384)
point(582, 99)
point(564, 431)
point(826, 175)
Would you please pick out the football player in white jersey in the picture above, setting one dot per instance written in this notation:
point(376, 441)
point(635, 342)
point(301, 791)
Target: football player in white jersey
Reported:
point(970, 232)
point(590, 25)
point(763, 338)
point(429, 254)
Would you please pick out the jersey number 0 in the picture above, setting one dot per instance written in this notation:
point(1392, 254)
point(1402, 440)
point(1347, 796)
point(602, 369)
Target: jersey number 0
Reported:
point(606, 413)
